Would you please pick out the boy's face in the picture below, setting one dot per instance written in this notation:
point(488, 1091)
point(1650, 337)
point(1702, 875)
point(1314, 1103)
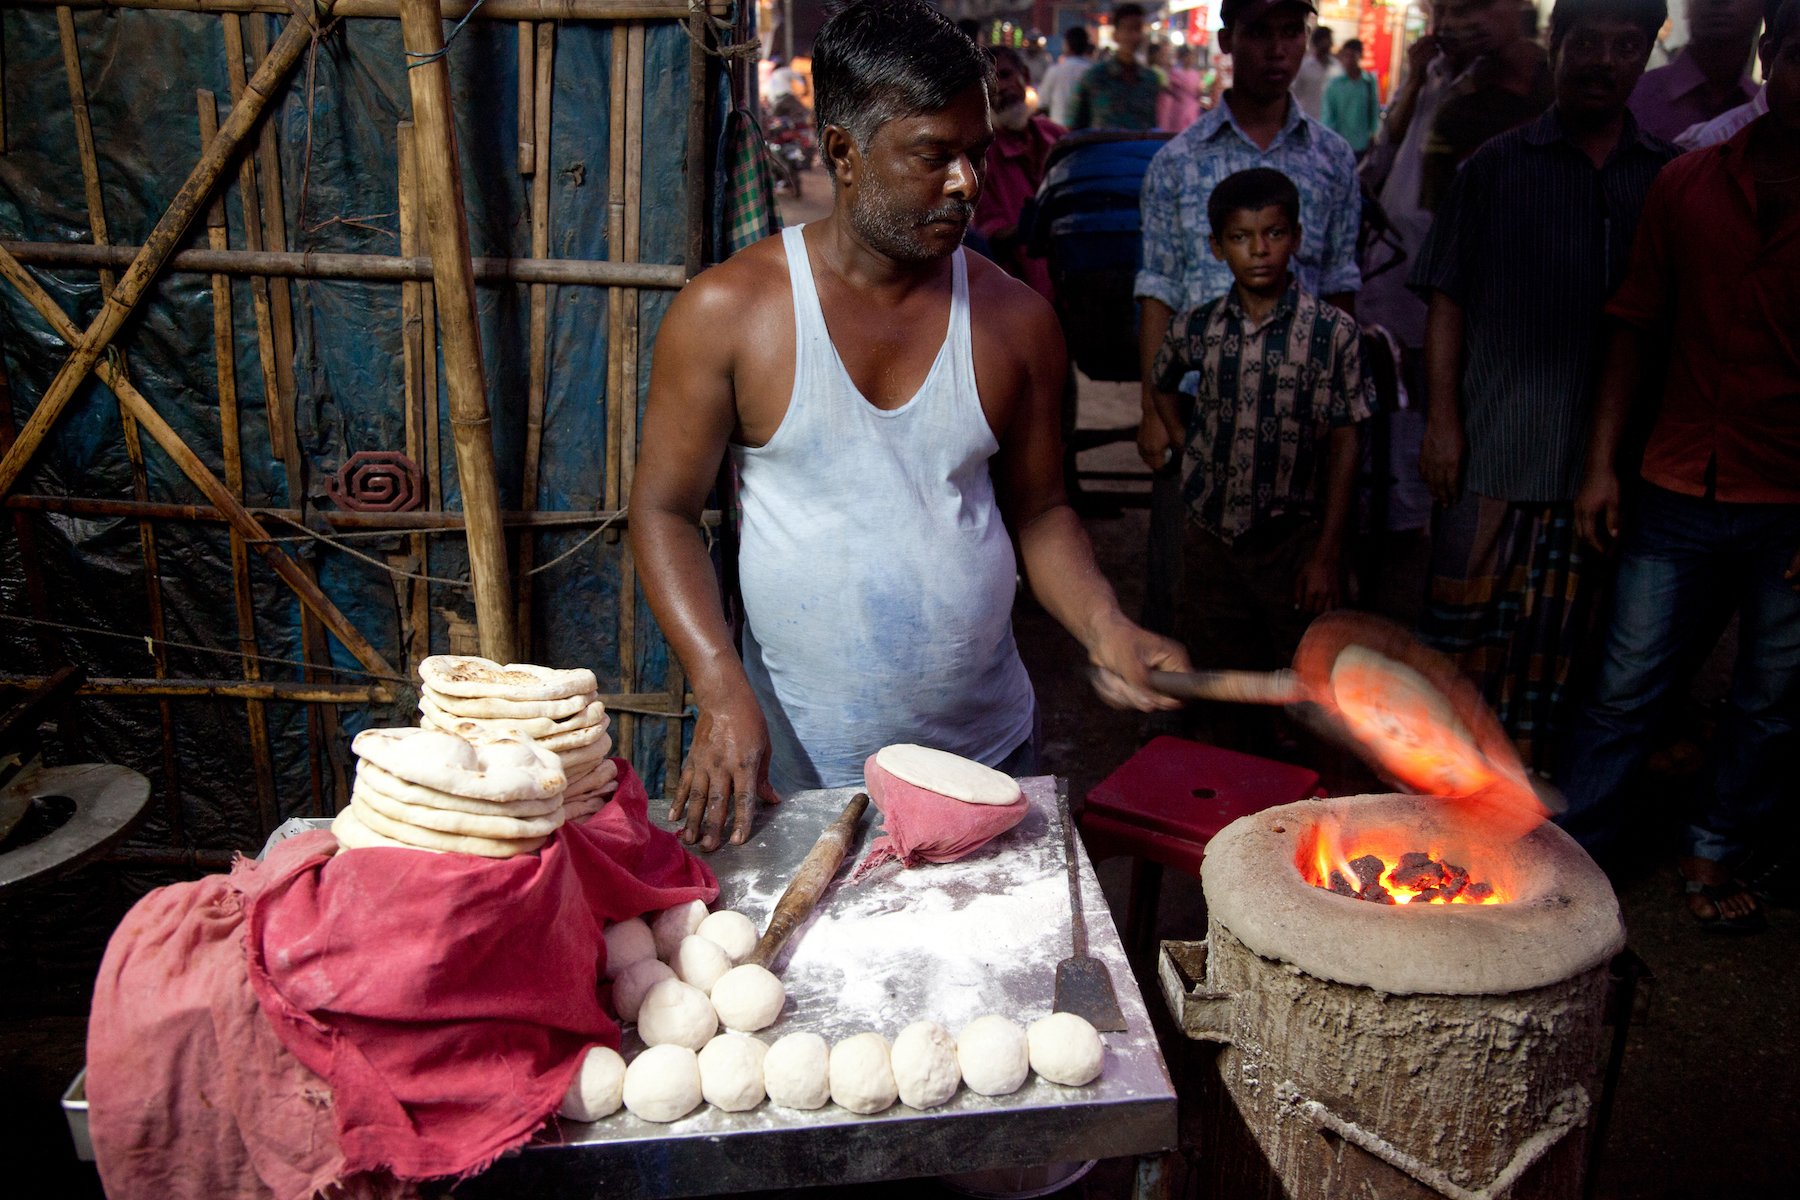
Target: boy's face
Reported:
point(1256, 245)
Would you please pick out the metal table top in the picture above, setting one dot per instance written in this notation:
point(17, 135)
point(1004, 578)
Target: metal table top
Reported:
point(943, 942)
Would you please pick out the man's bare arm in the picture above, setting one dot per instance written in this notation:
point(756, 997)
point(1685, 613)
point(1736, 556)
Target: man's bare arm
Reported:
point(688, 422)
point(1057, 557)
point(1628, 349)
point(1441, 455)
point(1159, 425)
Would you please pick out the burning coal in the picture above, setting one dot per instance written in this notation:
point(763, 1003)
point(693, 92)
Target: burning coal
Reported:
point(1372, 866)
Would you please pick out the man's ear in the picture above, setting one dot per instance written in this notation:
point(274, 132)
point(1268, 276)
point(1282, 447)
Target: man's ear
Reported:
point(1218, 251)
point(841, 155)
point(1224, 41)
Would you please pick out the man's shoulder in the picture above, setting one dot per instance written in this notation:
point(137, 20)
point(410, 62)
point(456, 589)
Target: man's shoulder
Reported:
point(1342, 326)
point(1195, 319)
point(744, 279)
point(1008, 305)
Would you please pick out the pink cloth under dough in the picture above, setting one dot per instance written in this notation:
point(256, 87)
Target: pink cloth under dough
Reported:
point(919, 824)
point(348, 1016)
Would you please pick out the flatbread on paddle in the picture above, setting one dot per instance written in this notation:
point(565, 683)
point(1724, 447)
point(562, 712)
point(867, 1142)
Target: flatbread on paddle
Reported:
point(374, 779)
point(479, 765)
point(352, 834)
point(467, 675)
point(494, 708)
point(431, 839)
point(514, 828)
point(948, 774)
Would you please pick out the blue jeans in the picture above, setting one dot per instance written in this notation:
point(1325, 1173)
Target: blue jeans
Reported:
point(1678, 551)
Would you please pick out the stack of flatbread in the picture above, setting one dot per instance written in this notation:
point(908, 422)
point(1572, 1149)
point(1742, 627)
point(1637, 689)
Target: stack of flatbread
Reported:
point(558, 710)
point(496, 795)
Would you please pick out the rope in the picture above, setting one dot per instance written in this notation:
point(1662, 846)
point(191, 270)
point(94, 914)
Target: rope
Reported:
point(434, 55)
point(150, 643)
point(399, 574)
point(725, 50)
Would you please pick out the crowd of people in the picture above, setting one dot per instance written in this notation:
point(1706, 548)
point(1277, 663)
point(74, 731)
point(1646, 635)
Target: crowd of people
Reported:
point(1589, 276)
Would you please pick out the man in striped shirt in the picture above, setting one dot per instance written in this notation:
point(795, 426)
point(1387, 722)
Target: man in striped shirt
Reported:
point(1528, 244)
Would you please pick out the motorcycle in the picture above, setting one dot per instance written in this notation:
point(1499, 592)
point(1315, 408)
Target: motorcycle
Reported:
point(788, 138)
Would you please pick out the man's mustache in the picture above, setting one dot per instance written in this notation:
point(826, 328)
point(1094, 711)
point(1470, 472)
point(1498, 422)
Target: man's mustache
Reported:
point(951, 210)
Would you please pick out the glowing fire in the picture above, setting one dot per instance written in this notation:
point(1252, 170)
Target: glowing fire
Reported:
point(1381, 866)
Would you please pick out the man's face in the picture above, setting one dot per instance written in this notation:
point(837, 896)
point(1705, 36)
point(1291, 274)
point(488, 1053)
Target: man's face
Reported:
point(1781, 70)
point(1256, 246)
point(1009, 85)
point(1723, 21)
point(1597, 64)
point(1129, 34)
point(1266, 52)
point(1350, 59)
point(913, 189)
point(1471, 28)
point(1321, 42)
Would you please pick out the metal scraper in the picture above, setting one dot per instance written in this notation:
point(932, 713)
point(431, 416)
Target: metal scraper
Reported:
point(1083, 985)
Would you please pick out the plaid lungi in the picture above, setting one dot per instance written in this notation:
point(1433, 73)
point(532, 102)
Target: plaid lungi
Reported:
point(1509, 604)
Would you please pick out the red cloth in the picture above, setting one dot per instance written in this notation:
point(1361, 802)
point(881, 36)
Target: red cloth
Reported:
point(1012, 170)
point(444, 1000)
point(918, 824)
point(1703, 275)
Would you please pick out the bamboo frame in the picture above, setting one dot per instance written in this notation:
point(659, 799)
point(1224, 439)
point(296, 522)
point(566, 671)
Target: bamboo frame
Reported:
point(275, 691)
point(87, 346)
point(134, 447)
point(417, 623)
point(447, 223)
point(420, 520)
point(538, 348)
point(225, 358)
point(370, 268)
point(527, 98)
point(492, 10)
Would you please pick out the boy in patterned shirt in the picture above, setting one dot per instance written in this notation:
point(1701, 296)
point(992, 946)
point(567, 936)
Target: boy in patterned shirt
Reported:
point(1269, 459)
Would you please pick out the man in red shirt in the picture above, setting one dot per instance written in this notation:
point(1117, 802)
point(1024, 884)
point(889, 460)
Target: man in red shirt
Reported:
point(1013, 168)
point(1715, 278)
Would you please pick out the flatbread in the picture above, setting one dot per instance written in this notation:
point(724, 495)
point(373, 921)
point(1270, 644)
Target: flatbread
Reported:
point(466, 675)
point(585, 779)
point(443, 821)
point(533, 727)
point(432, 839)
point(1408, 724)
point(374, 779)
point(583, 756)
point(497, 708)
point(581, 810)
point(352, 834)
point(479, 765)
point(575, 739)
point(948, 774)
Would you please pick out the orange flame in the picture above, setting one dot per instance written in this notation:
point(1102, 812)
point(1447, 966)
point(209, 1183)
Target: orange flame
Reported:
point(1324, 849)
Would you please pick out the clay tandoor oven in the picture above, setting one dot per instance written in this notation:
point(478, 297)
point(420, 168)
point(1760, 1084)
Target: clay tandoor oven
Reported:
point(1406, 1011)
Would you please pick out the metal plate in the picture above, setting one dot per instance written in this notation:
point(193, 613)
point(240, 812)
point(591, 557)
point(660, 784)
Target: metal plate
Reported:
point(1014, 887)
point(108, 801)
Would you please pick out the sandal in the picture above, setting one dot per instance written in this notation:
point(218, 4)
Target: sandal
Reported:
point(1754, 921)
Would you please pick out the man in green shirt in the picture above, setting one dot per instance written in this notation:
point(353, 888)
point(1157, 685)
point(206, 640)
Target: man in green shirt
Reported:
point(1118, 92)
point(1352, 106)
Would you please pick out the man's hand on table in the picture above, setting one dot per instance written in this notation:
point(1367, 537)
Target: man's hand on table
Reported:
point(1124, 654)
point(727, 770)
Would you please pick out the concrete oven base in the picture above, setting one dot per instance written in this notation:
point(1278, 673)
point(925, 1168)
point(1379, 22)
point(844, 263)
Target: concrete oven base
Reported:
point(1332, 1090)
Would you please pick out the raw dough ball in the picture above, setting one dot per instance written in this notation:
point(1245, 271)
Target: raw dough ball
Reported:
point(797, 1071)
point(948, 774)
point(731, 1072)
point(925, 1067)
point(663, 1083)
point(732, 932)
point(627, 942)
point(1065, 1049)
point(673, 1013)
point(630, 988)
point(597, 1088)
point(700, 962)
point(748, 998)
point(673, 924)
point(993, 1055)
point(862, 1079)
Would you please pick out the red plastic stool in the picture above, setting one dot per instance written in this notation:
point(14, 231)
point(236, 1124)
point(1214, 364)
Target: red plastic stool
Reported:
point(1166, 802)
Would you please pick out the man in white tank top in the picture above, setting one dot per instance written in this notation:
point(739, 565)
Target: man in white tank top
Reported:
point(891, 405)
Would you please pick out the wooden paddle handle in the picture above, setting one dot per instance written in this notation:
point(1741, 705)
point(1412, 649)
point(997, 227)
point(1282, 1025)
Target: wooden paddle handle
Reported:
point(1236, 687)
point(810, 881)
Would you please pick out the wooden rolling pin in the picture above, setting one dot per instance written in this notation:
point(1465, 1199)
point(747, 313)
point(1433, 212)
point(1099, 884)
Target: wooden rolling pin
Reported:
point(810, 881)
point(1237, 687)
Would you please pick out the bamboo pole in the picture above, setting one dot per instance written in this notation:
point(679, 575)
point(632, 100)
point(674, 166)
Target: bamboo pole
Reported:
point(538, 343)
point(194, 469)
point(134, 447)
point(492, 10)
point(418, 610)
point(527, 98)
point(87, 346)
point(615, 242)
point(447, 224)
point(225, 689)
point(628, 369)
point(397, 522)
point(225, 358)
point(694, 256)
point(372, 268)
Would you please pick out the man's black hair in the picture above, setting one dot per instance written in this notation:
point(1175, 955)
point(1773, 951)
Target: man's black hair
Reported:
point(1127, 10)
point(1076, 41)
point(1647, 15)
point(1252, 191)
point(1012, 57)
point(1355, 43)
point(969, 27)
point(1321, 33)
point(1780, 26)
point(876, 61)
